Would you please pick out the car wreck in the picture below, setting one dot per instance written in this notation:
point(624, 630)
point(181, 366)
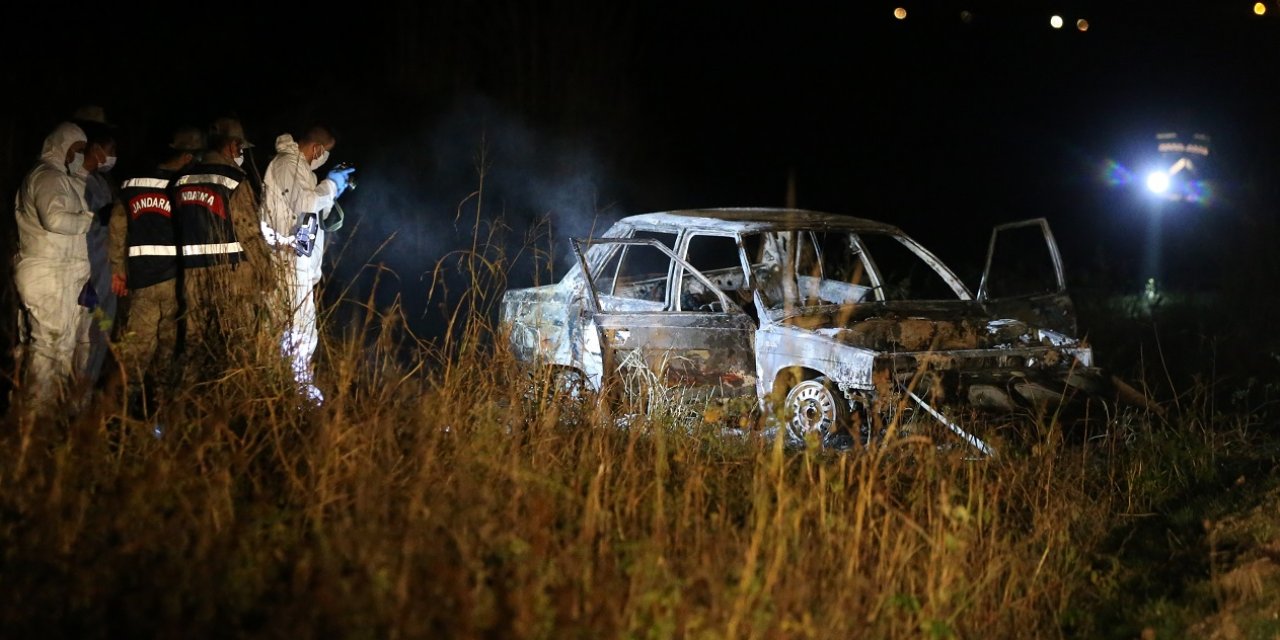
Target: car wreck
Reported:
point(828, 324)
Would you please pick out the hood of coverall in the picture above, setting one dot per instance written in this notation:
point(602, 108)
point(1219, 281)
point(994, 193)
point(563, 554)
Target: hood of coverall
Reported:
point(55, 147)
point(286, 144)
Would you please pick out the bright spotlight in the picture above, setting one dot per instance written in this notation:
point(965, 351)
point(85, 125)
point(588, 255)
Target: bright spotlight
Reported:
point(1259, 8)
point(1158, 181)
point(900, 13)
point(1056, 22)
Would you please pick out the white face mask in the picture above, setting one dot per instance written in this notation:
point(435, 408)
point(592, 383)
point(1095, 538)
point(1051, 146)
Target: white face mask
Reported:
point(239, 161)
point(319, 162)
point(76, 167)
point(107, 164)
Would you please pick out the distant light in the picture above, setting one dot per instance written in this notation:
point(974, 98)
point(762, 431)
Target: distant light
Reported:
point(900, 13)
point(1259, 8)
point(1056, 22)
point(966, 17)
point(1158, 181)
point(1082, 24)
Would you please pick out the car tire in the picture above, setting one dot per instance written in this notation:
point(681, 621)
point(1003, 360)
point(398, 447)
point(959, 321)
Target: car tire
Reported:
point(816, 406)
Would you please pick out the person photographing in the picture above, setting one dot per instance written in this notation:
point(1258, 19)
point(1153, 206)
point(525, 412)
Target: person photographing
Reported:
point(297, 211)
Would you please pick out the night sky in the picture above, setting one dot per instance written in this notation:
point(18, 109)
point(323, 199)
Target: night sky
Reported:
point(586, 111)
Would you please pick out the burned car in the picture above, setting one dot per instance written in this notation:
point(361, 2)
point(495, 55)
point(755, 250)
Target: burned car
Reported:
point(830, 323)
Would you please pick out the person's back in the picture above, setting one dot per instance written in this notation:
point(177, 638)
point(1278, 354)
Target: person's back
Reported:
point(144, 264)
point(203, 226)
point(223, 261)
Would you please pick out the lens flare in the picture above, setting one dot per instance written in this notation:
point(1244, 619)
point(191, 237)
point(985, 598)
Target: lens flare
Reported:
point(1259, 8)
point(900, 13)
point(1115, 174)
point(1158, 181)
point(1198, 192)
point(1082, 24)
point(1056, 22)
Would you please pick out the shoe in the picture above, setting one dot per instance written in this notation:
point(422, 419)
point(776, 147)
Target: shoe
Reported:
point(313, 393)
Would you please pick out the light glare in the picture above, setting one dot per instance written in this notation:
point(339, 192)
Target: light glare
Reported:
point(900, 13)
point(1056, 22)
point(1259, 8)
point(1158, 182)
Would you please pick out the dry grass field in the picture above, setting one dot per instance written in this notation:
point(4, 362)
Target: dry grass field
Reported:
point(436, 494)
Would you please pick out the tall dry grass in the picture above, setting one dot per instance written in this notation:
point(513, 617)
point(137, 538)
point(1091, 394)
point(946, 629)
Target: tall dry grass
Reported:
point(432, 496)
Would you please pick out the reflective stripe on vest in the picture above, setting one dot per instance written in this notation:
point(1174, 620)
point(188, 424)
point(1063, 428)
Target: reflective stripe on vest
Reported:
point(146, 183)
point(153, 250)
point(193, 250)
point(211, 249)
point(229, 183)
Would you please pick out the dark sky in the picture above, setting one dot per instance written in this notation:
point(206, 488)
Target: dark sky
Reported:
point(588, 110)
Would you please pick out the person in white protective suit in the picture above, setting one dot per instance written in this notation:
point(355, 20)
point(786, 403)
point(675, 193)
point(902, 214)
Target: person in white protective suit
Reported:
point(297, 212)
point(51, 268)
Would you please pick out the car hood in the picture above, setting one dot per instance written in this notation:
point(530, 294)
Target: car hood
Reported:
point(923, 326)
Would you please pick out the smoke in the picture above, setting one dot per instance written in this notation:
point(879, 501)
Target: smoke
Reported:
point(422, 200)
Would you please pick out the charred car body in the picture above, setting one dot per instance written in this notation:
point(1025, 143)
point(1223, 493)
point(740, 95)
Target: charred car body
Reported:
point(826, 321)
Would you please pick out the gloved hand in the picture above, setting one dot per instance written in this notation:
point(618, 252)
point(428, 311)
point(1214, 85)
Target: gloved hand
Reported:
point(104, 214)
point(339, 178)
point(119, 284)
point(88, 296)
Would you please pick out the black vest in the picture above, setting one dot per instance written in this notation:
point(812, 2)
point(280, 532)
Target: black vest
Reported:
point(202, 215)
point(152, 254)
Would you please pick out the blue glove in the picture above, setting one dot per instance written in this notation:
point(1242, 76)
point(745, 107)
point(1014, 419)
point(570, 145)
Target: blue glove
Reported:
point(88, 296)
point(339, 178)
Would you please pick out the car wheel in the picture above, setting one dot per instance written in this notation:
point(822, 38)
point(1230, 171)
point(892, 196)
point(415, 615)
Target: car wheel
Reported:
point(815, 406)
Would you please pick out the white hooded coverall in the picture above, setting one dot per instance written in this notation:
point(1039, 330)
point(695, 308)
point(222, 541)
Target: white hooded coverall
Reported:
point(289, 189)
point(51, 268)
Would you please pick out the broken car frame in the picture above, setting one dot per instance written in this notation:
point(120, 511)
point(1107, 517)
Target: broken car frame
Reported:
point(831, 323)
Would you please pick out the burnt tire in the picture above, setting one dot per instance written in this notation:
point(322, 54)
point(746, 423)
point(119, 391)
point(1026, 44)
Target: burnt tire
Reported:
point(816, 406)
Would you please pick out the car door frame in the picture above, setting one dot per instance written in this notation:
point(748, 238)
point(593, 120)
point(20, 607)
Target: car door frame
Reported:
point(1049, 310)
point(690, 337)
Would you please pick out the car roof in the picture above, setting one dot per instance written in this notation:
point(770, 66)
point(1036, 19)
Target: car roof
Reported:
point(745, 219)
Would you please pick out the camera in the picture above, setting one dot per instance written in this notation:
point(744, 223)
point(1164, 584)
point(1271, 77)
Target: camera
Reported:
point(351, 177)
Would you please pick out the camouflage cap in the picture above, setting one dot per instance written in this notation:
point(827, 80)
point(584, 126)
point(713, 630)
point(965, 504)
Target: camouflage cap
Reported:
point(188, 139)
point(231, 128)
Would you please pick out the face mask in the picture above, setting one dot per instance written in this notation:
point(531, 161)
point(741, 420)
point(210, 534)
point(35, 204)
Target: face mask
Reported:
point(239, 161)
point(77, 164)
point(319, 162)
point(107, 164)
